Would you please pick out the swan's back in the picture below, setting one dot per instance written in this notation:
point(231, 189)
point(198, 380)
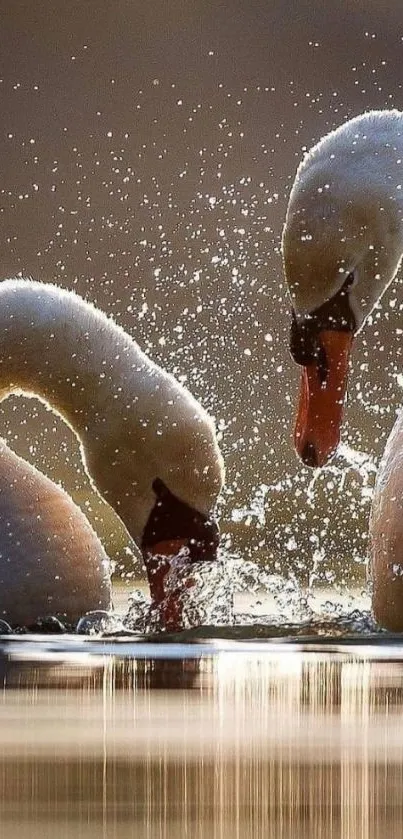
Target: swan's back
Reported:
point(51, 561)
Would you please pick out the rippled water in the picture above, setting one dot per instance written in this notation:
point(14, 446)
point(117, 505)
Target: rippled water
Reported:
point(265, 727)
point(124, 738)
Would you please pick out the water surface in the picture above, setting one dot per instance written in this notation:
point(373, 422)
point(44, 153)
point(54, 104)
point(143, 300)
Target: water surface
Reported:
point(142, 737)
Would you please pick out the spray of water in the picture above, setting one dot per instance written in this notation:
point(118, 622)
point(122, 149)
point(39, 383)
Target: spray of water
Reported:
point(279, 598)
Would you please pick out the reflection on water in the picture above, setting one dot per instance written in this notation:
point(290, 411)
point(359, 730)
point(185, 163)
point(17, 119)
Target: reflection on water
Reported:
point(221, 740)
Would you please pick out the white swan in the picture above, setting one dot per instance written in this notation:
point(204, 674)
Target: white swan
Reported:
point(148, 446)
point(342, 246)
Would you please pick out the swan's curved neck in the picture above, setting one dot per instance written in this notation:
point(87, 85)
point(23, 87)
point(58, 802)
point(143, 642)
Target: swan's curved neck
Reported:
point(48, 350)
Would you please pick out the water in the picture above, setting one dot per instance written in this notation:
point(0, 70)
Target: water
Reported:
point(210, 739)
point(264, 727)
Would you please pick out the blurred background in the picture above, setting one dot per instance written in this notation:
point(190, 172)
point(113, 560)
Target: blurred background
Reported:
point(147, 152)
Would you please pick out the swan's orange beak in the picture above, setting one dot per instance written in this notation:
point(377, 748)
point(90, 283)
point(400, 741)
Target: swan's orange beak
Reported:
point(321, 399)
point(159, 559)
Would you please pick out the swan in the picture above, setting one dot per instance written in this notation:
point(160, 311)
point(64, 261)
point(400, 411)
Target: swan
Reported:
point(148, 447)
point(342, 245)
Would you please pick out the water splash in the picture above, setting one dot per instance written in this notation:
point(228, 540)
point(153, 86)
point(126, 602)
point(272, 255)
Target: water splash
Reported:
point(349, 476)
point(201, 592)
point(346, 461)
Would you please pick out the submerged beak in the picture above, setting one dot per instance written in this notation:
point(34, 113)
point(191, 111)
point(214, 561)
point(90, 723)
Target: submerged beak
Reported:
point(160, 560)
point(321, 399)
point(176, 536)
point(158, 557)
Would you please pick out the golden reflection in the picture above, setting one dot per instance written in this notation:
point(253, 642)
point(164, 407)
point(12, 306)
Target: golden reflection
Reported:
point(242, 745)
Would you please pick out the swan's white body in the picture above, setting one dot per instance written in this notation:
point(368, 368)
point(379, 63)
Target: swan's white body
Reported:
point(345, 220)
point(134, 422)
point(51, 561)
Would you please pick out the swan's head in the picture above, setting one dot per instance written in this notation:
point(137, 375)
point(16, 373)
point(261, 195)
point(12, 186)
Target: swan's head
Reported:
point(182, 520)
point(342, 245)
point(157, 462)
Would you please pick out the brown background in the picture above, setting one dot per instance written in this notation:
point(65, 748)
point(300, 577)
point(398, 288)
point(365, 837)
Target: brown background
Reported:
point(146, 154)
